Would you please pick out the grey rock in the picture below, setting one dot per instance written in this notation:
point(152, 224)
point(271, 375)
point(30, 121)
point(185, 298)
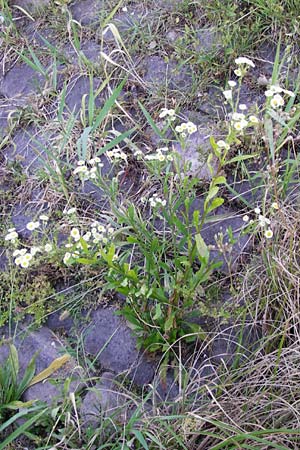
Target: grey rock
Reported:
point(28, 147)
point(195, 152)
point(160, 74)
point(21, 215)
point(94, 192)
point(89, 49)
point(57, 321)
point(47, 348)
point(221, 220)
point(77, 88)
point(103, 400)
point(3, 259)
point(21, 80)
point(87, 12)
point(172, 36)
point(165, 389)
point(251, 191)
point(4, 114)
point(31, 6)
point(109, 339)
point(235, 343)
point(209, 40)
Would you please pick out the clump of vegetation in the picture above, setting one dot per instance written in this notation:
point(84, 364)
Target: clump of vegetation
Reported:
point(144, 239)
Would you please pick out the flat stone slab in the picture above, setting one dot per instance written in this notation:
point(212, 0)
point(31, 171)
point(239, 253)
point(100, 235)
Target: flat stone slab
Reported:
point(48, 348)
point(235, 342)
point(21, 80)
point(87, 12)
point(77, 88)
point(110, 340)
point(195, 151)
point(221, 220)
point(103, 400)
point(31, 6)
point(209, 40)
point(28, 148)
point(160, 74)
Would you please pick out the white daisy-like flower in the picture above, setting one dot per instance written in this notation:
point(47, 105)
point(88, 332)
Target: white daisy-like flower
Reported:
point(44, 218)
point(48, 248)
point(244, 60)
point(161, 157)
point(240, 125)
point(35, 250)
point(179, 129)
point(269, 93)
point(223, 144)
point(232, 83)
point(70, 211)
point(243, 107)
point(268, 233)
point(75, 234)
point(275, 205)
point(24, 263)
point(67, 257)
point(18, 260)
point(263, 221)
point(254, 120)
point(191, 127)
point(31, 226)
point(238, 72)
point(228, 94)
point(257, 210)
point(80, 169)
point(87, 236)
point(275, 89)
point(277, 101)
point(81, 163)
point(11, 236)
point(238, 116)
point(246, 218)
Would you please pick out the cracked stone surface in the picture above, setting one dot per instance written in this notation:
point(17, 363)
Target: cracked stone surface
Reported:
point(159, 74)
point(28, 148)
point(87, 12)
point(77, 88)
point(195, 152)
point(104, 400)
point(21, 80)
point(220, 221)
point(209, 40)
point(31, 6)
point(47, 347)
point(108, 338)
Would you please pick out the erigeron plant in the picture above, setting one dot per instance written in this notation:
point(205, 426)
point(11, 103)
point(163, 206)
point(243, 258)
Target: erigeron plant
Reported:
point(25, 256)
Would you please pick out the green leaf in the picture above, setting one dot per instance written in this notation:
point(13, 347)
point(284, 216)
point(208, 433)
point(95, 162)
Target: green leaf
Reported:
point(21, 429)
point(219, 180)
point(13, 363)
point(115, 141)
point(108, 105)
point(202, 248)
point(169, 322)
point(140, 438)
point(150, 121)
point(239, 158)
point(211, 194)
point(158, 312)
point(28, 376)
point(82, 143)
point(218, 201)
